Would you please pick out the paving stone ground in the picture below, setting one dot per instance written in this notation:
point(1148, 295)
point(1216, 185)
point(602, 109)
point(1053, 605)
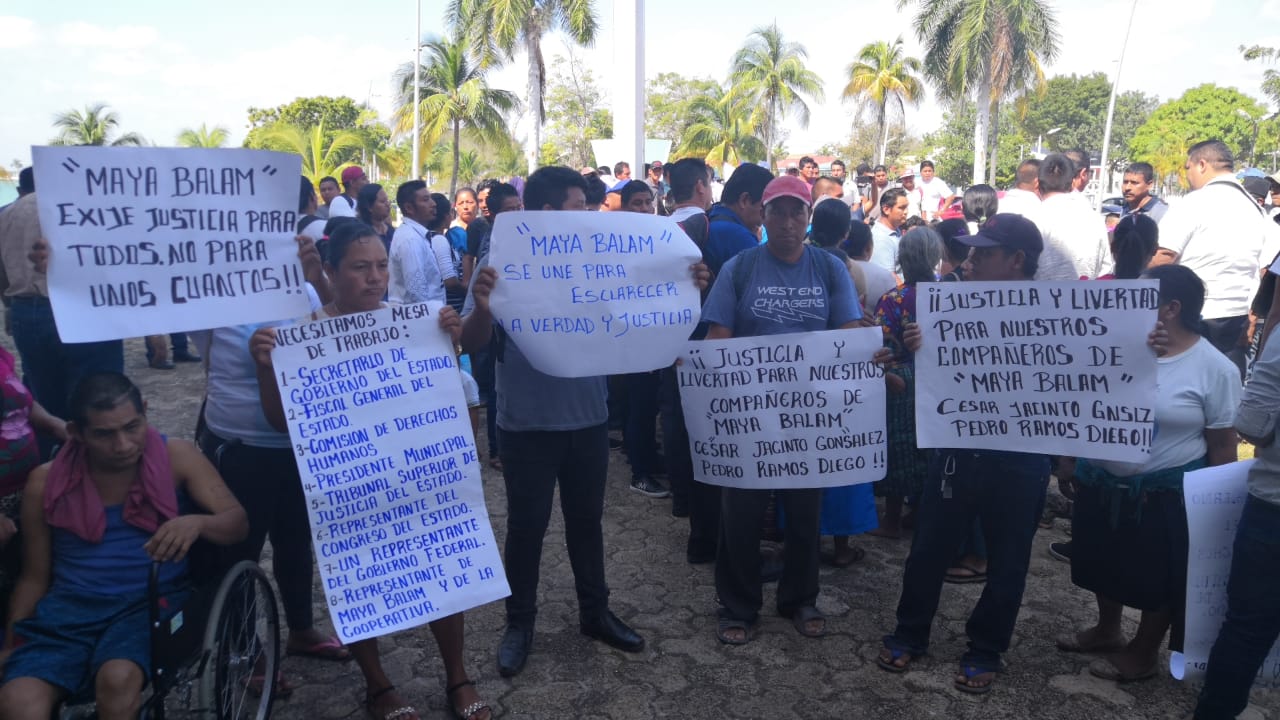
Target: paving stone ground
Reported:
point(684, 671)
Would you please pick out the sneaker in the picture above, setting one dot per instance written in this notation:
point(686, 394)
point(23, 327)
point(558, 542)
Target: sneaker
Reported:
point(649, 487)
point(1061, 551)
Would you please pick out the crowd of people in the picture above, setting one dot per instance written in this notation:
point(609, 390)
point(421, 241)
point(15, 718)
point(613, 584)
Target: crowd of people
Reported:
point(118, 494)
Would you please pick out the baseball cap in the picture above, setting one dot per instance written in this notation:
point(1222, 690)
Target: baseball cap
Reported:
point(908, 172)
point(1258, 187)
point(590, 172)
point(787, 186)
point(352, 174)
point(1009, 231)
point(656, 164)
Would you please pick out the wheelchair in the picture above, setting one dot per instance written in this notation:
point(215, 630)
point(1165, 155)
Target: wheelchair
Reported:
point(204, 656)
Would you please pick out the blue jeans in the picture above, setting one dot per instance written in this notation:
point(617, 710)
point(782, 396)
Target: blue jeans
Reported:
point(1005, 491)
point(532, 463)
point(1253, 614)
point(51, 368)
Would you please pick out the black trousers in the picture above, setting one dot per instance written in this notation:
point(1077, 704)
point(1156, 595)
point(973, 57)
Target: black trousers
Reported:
point(267, 484)
point(533, 462)
point(738, 558)
point(1225, 334)
point(702, 500)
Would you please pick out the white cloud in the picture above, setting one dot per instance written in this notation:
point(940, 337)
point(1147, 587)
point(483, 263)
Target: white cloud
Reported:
point(16, 32)
point(120, 37)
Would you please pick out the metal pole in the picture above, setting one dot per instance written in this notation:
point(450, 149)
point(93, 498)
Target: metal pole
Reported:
point(417, 64)
point(628, 102)
point(1111, 107)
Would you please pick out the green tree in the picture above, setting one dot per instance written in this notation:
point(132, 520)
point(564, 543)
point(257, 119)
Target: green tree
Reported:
point(770, 72)
point(1207, 112)
point(951, 145)
point(95, 125)
point(335, 114)
point(884, 78)
point(578, 112)
point(987, 49)
point(499, 28)
point(319, 158)
point(453, 96)
point(669, 100)
point(203, 137)
point(1078, 106)
point(723, 132)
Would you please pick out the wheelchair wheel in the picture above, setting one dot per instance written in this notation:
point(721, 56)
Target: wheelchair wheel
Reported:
point(242, 644)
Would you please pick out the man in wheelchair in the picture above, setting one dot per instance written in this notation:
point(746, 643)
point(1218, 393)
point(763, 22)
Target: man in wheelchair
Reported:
point(94, 520)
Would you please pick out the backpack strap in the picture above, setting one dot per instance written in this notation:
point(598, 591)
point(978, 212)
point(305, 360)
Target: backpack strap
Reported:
point(743, 269)
point(697, 228)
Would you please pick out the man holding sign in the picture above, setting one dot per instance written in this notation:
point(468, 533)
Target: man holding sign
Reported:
point(782, 287)
point(1005, 490)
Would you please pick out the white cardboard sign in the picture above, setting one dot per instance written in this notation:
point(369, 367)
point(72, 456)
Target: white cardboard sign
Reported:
point(804, 410)
point(383, 442)
point(146, 241)
point(1059, 368)
point(594, 293)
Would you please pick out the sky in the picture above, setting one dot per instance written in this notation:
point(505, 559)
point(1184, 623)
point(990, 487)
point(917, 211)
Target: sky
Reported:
point(164, 66)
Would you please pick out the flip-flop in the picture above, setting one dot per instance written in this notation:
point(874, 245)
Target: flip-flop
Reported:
point(896, 653)
point(403, 711)
point(856, 554)
point(977, 575)
point(328, 649)
point(971, 672)
point(1106, 670)
point(1070, 642)
point(801, 618)
point(469, 711)
point(725, 625)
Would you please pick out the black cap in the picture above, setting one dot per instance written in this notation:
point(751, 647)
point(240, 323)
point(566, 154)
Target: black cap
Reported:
point(1258, 187)
point(1009, 231)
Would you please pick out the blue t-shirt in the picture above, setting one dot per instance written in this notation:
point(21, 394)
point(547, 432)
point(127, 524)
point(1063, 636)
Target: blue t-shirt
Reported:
point(781, 297)
point(727, 236)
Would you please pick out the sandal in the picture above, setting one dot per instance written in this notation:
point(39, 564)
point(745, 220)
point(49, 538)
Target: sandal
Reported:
point(279, 691)
point(1107, 670)
point(1070, 642)
point(855, 554)
point(403, 711)
point(899, 658)
point(964, 575)
point(801, 618)
point(328, 649)
point(469, 712)
point(724, 626)
point(974, 673)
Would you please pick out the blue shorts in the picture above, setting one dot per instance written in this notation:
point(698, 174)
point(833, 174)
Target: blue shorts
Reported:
point(72, 636)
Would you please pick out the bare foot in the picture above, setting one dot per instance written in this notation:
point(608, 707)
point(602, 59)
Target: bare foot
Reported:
point(387, 704)
point(463, 697)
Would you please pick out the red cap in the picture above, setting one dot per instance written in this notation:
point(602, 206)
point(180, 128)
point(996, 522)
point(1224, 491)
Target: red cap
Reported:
point(787, 186)
point(352, 174)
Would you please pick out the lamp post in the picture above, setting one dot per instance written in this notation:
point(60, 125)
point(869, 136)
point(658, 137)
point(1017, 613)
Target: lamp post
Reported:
point(417, 64)
point(1253, 145)
point(1042, 136)
point(1111, 105)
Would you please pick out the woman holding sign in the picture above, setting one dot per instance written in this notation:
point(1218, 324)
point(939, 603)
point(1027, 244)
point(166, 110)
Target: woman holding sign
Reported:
point(1129, 538)
point(356, 263)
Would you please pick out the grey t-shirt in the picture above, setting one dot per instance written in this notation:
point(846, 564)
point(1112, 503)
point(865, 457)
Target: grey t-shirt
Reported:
point(530, 400)
point(814, 293)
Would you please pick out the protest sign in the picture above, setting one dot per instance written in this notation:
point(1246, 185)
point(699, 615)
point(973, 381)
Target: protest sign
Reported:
point(591, 293)
point(804, 410)
point(383, 442)
point(1059, 368)
point(1215, 499)
point(147, 241)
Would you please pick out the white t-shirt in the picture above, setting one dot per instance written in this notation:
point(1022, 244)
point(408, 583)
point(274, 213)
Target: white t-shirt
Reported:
point(914, 196)
point(1020, 202)
point(443, 252)
point(415, 273)
point(315, 229)
point(1075, 239)
point(342, 206)
point(1196, 390)
point(932, 194)
point(233, 409)
point(879, 281)
point(1221, 234)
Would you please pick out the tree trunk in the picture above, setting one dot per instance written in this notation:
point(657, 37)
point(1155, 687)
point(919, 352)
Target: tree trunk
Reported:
point(994, 144)
point(537, 85)
point(457, 152)
point(980, 130)
point(884, 135)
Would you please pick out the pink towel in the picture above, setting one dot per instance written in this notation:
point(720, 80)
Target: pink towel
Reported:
point(71, 500)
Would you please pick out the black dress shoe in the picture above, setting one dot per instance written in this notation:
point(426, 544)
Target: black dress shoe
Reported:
point(608, 629)
point(513, 651)
point(186, 356)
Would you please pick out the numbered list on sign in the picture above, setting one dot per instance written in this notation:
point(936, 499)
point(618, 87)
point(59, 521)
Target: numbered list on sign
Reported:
point(384, 446)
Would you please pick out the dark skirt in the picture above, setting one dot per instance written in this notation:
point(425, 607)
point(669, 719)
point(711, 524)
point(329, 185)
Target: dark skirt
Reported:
point(1141, 562)
point(908, 464)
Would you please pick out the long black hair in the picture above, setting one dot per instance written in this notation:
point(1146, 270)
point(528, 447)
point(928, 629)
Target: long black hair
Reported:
point(1133, 244)
point(1182, 284)
point(365, 199)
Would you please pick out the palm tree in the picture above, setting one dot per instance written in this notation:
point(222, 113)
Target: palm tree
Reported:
point(317, 160)
point(498, 28)
point(987, 49)
point(95, 125)
point(723, 131)
point(882, 76)
point(771, 72)
point(454, 96)
point(203, 137)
